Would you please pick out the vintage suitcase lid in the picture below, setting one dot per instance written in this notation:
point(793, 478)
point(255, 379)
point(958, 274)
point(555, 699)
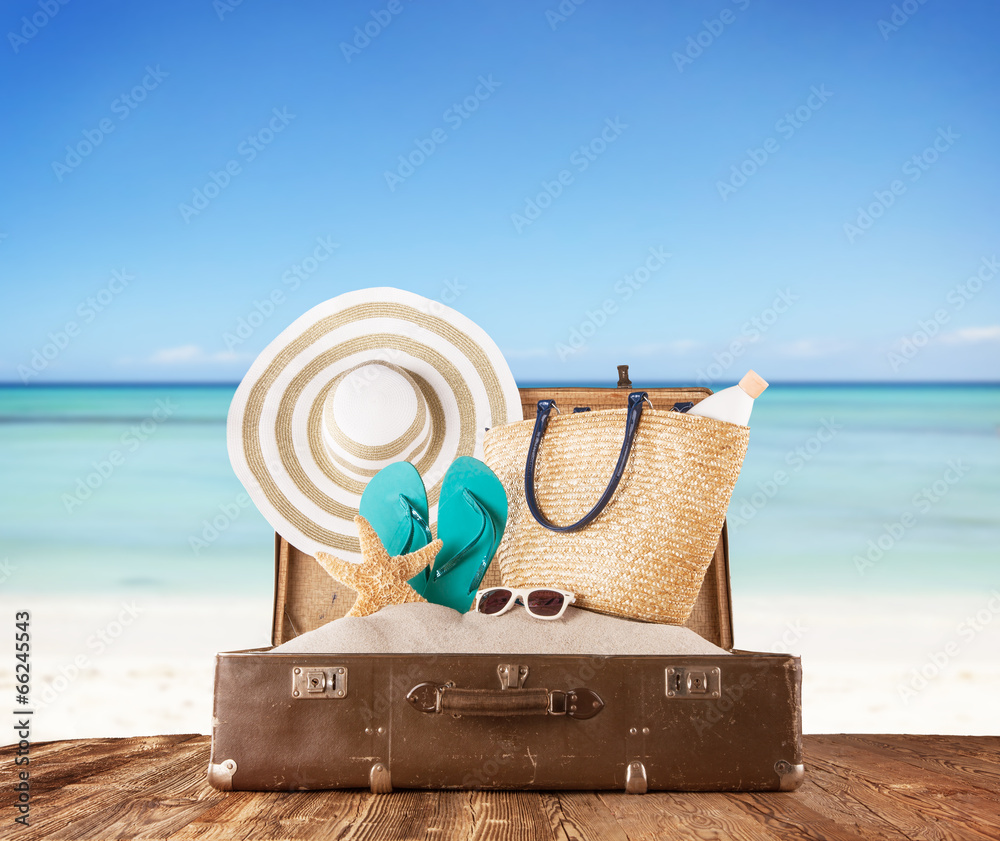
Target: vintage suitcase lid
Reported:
point(305, 596)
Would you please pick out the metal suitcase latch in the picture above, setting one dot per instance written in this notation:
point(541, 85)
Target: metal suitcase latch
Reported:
point(694, 683)
point(313, 683)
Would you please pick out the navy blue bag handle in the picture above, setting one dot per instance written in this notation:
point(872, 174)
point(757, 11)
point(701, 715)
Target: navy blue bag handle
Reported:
point(635, 401)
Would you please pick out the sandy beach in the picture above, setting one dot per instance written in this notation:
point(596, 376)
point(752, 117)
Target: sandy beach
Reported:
point(874, 664)
point(139, 665)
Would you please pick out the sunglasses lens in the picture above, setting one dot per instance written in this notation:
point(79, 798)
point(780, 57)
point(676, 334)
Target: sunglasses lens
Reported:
point(493, 601)
point(545, 602)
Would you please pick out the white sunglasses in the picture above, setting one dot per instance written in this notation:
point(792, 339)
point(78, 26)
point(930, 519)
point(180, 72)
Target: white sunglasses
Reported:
point(540, 602)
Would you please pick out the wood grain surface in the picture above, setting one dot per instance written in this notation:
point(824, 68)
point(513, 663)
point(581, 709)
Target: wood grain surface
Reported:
point(857, 787)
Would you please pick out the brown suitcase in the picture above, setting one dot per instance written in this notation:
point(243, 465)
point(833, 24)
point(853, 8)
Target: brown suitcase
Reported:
point(314, 721)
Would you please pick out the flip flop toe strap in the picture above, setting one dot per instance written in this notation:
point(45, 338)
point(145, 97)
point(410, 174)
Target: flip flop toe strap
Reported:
point(410, 524)
point(494, 540)
point(485, 527)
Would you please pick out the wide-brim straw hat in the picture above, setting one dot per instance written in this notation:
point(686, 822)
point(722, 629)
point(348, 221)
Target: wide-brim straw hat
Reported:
point(358, 382)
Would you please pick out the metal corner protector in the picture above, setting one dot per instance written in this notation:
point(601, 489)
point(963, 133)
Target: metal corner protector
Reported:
point(220, 774)
point(790, 776)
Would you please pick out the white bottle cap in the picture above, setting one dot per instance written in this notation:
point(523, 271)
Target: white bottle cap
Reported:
point(753, 384)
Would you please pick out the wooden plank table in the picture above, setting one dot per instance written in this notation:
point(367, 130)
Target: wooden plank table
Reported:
point(885, 787)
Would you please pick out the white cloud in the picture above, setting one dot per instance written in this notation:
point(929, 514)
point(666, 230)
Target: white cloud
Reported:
point(973, 335)
point(191, 355)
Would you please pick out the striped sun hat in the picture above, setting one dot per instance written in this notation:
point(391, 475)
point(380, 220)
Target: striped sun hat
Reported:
point(363, 380)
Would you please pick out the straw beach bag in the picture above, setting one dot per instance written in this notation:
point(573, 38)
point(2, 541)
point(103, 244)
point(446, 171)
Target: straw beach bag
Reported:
point(623, 507)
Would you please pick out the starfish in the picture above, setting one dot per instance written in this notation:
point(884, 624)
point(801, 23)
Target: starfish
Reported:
point(380, 580)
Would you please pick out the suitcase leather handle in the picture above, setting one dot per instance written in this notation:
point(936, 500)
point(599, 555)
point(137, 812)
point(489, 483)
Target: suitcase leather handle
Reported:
point(446, 699)
point(635, 401)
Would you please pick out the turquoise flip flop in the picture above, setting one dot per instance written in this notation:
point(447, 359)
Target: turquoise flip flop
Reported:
point(472, 515)
point(395, 503)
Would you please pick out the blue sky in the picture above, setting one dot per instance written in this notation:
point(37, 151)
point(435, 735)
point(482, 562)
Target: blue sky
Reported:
point(816, 190)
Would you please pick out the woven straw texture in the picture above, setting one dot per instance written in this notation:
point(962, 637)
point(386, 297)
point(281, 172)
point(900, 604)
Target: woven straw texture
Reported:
point(645, 555)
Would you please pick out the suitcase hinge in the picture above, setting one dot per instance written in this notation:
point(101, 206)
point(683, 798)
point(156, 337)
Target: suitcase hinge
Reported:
point(329, 682)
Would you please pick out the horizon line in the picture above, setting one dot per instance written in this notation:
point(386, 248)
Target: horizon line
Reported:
point(524, 384)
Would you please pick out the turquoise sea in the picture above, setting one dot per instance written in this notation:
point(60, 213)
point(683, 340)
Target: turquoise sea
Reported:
point(846, 489)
